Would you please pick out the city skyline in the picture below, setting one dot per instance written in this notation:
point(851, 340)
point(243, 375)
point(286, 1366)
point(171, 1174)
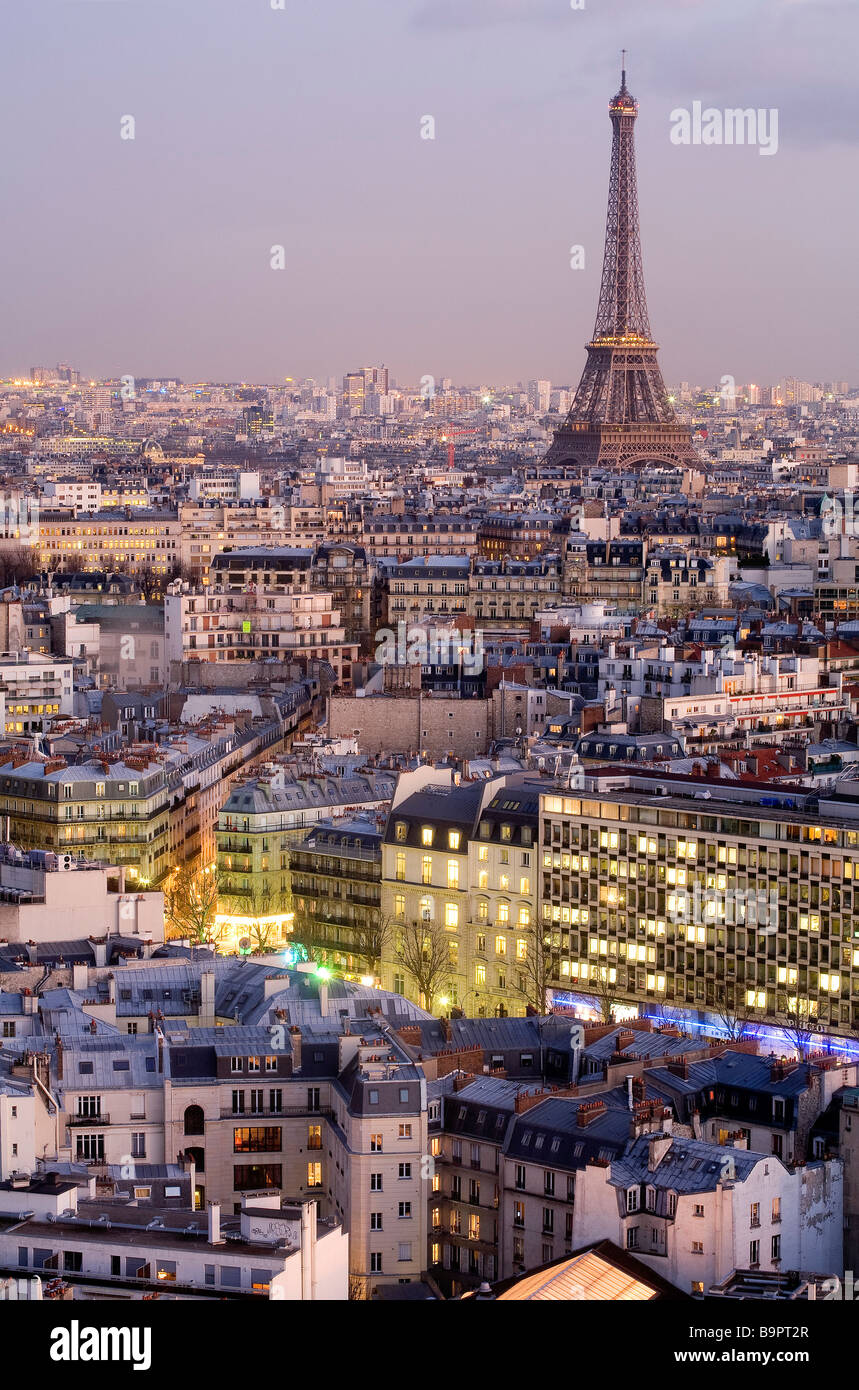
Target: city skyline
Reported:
point(475, 222)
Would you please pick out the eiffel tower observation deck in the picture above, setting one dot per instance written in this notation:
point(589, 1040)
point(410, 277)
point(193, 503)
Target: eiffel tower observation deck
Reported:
point(621, 416)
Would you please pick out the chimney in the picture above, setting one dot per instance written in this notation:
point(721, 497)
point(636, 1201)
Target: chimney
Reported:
point(589, 1112)
point(295, 1039)
point(215, 1237)
point(657, 1149)
point(207, 999)
point(323, 998)
point(160, 1037)
point(629, 1098)
point(59, 1044)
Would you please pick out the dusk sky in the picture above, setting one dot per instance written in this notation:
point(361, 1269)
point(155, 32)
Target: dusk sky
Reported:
point(301, 127)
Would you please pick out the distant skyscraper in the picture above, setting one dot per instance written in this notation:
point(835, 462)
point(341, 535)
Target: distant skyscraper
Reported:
point(538, 394)
point(353, 391)
point(621, 414)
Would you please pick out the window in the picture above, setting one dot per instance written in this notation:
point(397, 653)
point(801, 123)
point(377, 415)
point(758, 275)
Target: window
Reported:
point(453, 839)
point(520, 1176)
point(404, 1211)
point(399, 905)
point(427, 835)
point(697, 1247)
point(400, 871)
point(404, 1170)
point(314, 1136)
point(401, 830)
point(776, 1209)
point(253, 1064)
point(404, 1251)
point(271, 1064)
point(314, 1174)
point(474, 1226)
point(404, 1132)
point(375, 1262)
point(90, 1147)
point(257, 1139)
point(426, 868)
point(404, 1095)
point(755, 1214)
point(776, 1247)
point(632, 1238)
point(247, 1176)
point(754, 1252)
point(375, 1143)
point(518, 1213)
point(375, 1221)
point(453, 873)
point(236, 1064)
point(632, 1199)
point(375, 1182)
point(699, 1210)
point(373, 1097)
point(451, 915)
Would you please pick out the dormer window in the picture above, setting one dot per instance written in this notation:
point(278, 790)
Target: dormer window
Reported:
point(632, 1199)
point(401, 831)
point(427, 835)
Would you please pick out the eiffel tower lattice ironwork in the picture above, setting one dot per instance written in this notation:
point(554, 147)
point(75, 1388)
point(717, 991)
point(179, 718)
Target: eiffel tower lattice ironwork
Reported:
point(621, 414)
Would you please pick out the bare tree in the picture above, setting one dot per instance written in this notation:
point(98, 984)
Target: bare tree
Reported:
point(149, 583)
point(735, 1016)
point(424, 950)
point(191, 903)
point(258, 906)
point(540, 968)
point(370, 939)
point(18, 563)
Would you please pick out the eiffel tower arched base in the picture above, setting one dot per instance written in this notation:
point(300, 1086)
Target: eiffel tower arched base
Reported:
point(622, 447)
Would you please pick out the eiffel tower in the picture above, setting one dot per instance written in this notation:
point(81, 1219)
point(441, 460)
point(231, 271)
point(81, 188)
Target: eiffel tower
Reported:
point(621, 415)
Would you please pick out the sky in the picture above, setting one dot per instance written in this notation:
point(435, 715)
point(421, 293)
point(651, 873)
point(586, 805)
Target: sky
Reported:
point(301, 127)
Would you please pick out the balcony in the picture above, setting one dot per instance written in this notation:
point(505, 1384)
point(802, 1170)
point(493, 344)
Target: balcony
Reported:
point(93, 1121)
point(285, 1112)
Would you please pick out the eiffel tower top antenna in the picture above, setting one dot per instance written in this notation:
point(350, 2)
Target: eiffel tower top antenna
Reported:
point(623, 68)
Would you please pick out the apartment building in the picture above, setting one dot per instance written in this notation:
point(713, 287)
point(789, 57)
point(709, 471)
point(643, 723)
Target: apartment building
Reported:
point(259, 606)
point(697, 1211)
point(409, 536)
point(51, 897)
point(523, 536)
point(138, 1239)
point(459, 861)
point(259, 825)
point(140, 541)
point(671, 889)
point(508, 591)
point(110, 810)
point(36, 687)
point(335, 882)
